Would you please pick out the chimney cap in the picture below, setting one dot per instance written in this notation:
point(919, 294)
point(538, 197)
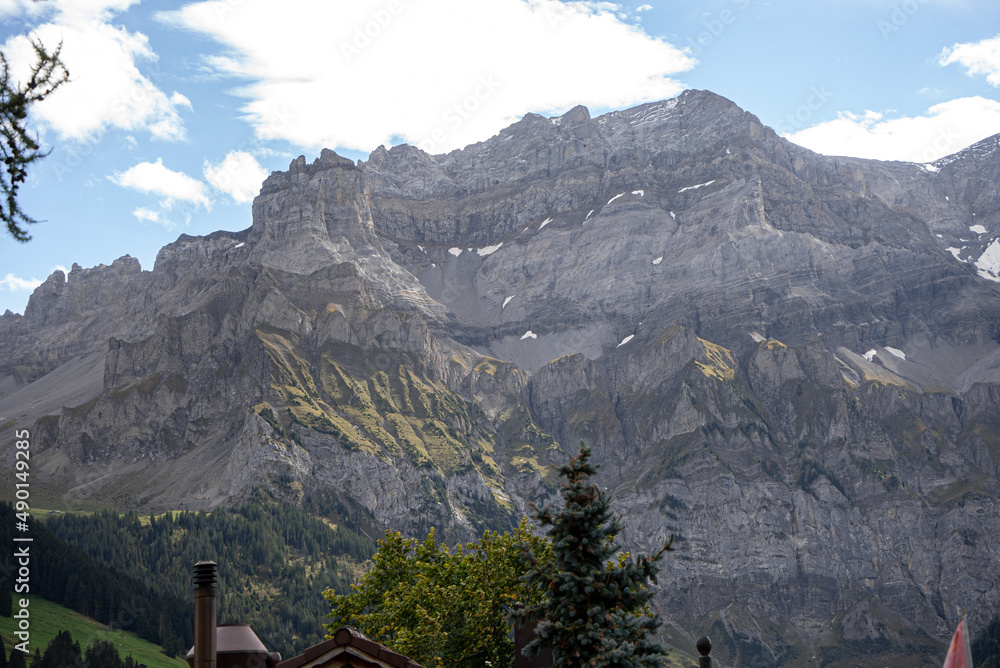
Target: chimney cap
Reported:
point(206, 575)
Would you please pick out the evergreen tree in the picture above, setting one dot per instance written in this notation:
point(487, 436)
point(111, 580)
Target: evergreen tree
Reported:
point(61, 652)
point(3, 653)
point(986, 647)
point(103, 654)
point(16, 659)
point(595, 612)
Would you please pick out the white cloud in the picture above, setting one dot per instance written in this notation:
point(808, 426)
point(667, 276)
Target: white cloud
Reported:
point(15, 284)
point(154, 178)
point(977, 57)
point(179, 100)
point(106, 88)
point(945, 128)
point(643, 8)
point(10, 8)
point(440, 74)
point(239, 175)
point(142, 213)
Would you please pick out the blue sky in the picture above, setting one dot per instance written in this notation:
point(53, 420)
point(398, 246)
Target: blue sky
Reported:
point(176, 111)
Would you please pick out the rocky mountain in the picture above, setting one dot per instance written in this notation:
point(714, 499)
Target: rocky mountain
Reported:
point(791, 361)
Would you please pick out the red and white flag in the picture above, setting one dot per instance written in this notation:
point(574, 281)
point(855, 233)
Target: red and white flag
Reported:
point(959, 655)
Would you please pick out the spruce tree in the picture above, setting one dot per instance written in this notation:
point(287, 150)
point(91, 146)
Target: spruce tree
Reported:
point(102, 654)
point(61, 651)
point(595, 612)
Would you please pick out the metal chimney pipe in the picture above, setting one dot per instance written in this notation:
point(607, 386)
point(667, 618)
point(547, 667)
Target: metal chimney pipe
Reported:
point(206, 589)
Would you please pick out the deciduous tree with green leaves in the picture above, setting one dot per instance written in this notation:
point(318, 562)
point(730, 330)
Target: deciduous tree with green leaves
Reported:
point(443, 607)
point(595, 611)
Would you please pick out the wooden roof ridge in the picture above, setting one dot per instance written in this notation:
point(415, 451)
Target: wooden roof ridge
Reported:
point(346, 636)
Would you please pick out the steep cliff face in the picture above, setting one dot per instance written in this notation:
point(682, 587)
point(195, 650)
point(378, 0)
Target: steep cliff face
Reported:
point(786, 359)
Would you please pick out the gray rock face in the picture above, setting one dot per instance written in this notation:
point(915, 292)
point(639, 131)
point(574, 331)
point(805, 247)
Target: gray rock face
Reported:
point(790, 361)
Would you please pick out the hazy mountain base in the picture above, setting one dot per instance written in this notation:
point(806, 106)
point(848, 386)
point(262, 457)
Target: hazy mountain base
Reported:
point(716, 311)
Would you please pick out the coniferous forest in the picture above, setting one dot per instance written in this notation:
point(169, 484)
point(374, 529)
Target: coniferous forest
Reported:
point(133, 572)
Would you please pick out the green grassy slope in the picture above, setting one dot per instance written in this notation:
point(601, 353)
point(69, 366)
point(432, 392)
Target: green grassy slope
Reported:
point(47, 619)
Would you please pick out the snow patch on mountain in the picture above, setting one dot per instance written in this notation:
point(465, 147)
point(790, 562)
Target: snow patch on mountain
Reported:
point(654, 113)
point(487, 250)
point(700, 185)
point(988, 264)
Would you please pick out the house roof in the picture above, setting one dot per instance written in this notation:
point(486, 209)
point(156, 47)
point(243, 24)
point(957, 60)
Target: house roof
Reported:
point(238, 638)
point(343, 638)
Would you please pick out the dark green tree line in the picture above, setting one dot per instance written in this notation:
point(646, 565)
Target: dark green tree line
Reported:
point(63, 652)
point(63, 574)
point(275, 560)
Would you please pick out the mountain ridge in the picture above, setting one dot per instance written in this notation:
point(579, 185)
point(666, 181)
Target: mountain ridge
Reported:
point(774, 353)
